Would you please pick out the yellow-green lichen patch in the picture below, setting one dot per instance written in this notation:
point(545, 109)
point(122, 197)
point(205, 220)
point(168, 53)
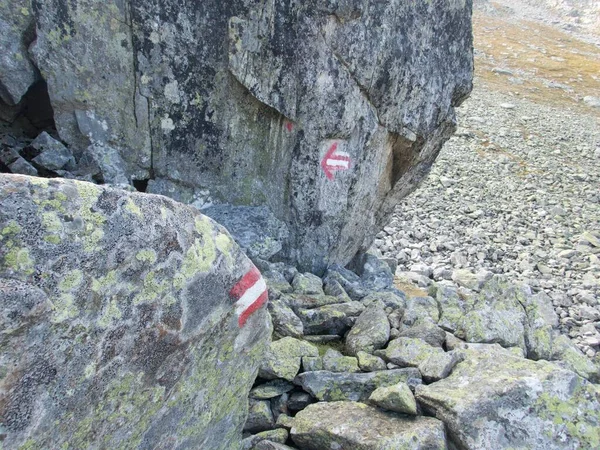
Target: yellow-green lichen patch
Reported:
point(52, 239)
point(71, 281)
point(146, 255)
point(64, 308)
point(102, 284)
point(225, 245)
point(127, 403)
point(11, 229)
point(18, 259)
point(201, 255)
point(93, 221)
point(153, 288)
point(111, 312)
point(133, 208)
point(90, 370)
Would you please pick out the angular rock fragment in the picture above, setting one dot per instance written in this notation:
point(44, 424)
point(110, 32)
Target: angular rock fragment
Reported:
point(308, 284)
point(370, 332)
point(278, 436)
point(496, 400)
point(398, 398)
point(260, 417)
point(334, 361)
point(52, 155)
point(283, 358)
point(271, 389)
point(370, 363)
point(329, 386)
point(349, 425)
point(330, 319)
point(285, 322)
point(432, 362)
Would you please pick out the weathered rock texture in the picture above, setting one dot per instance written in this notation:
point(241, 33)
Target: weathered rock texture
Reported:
point(117, 328)
point(328, 112)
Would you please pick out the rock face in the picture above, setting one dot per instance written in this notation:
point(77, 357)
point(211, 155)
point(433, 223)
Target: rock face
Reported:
point(120, 326)
point(327, 113)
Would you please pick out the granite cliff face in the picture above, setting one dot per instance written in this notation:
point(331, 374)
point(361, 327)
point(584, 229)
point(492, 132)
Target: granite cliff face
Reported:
point(328, 113)
point(126, 321)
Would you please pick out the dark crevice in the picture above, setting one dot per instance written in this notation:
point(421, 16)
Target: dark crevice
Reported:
point(4, 168)
point(404, 154)
point(141, 185)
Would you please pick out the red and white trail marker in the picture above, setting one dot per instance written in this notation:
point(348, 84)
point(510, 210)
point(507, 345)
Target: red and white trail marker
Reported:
point(335, 160)
point(250, 293)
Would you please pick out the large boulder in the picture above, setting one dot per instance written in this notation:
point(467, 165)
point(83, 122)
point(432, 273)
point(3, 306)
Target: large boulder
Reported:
point(496, 400)
point(328, 113)
point(126, 321)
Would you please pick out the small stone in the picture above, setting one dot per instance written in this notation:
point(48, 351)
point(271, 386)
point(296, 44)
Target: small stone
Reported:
point(370, 332)
point(307, 283)
point(260, 417)
point(299, 400)
point(285, 322)
point(397, 398)
point(334, 361)
point(271, 389)
point(53, 155)
point(283, 358)
point(21, 166)
point(370, 363)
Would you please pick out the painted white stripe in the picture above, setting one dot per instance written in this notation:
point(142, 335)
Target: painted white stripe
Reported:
point(336, 163)
point(251, 295)
point(338, 153)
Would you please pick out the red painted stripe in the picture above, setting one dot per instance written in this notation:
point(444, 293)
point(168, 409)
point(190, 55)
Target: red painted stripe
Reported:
point(245, 283)
point(339, 158)
point(252, 308)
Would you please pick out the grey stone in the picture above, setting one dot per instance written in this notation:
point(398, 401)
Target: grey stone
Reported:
point(427, 331)
point(308, 284)
point(278, 436)
point(419, 309)
point(496, 315)
point(334, 361)
point(283, 358)
point(496, 400)
point(21, 166)
point(52, 154)
point(330, 386)
point(17, 73)
point(260, 417)
point(398, 398)
point(285, 322)
point(395, 300)
point(134, 303)
point(370, 332)
point(370, 363)
point(432, 362)
point(110, 163)
point(270, 445)
point(255, 229)
point(271, 389)
point(299, 400)
point(299, 302)
point(330, 319)
point(312, 363)
point(350, 425)
point(350, 282)
point(375, 273)
point(335, 289)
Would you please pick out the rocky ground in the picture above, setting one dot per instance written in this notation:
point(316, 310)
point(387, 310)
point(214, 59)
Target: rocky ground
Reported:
point(516, 191)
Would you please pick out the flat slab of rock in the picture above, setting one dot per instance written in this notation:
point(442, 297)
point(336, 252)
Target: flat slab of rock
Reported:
point(496, 400)
point(350, 425)
point(330, 319)
point(330, 386)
